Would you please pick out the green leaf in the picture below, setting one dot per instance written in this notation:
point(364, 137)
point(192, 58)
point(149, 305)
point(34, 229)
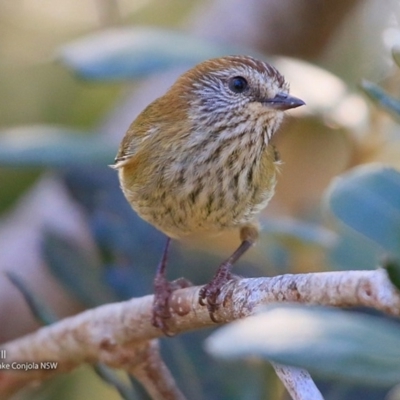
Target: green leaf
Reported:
point(108, 375)
point(131, 53)
point(378, 95)
point(393, 270)
point(367, 199)
point(43, 314)
point(329, 343)
point(52, 146)
point(396, 55)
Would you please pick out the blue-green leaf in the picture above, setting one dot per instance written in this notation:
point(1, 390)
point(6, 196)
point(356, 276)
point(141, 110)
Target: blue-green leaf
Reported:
point(77, 270)
point(299, 230)
point(367, 199)
point(353, 250)
point(41, 311)
point(124, 389)
point(384, 100)
point(131, 53)
point(52, 146)
point(329, 343)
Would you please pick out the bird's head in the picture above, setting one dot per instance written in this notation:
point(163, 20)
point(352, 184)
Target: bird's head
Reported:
point(236, 91)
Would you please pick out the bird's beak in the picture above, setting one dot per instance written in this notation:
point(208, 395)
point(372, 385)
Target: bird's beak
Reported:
point(283, 101)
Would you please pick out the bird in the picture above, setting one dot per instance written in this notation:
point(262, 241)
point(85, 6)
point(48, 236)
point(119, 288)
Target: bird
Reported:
point(199, 160)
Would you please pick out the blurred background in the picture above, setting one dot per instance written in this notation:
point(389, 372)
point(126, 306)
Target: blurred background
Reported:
point(73, 76)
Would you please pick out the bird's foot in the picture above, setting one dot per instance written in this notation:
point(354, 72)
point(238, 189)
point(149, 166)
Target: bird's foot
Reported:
point(163, 290)
point(208, 295)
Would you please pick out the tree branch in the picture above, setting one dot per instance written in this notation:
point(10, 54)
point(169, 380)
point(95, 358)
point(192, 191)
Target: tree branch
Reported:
point(144, 362)
point(120, 334)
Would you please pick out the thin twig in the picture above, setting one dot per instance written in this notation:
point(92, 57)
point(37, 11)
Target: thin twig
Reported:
point(298, 382)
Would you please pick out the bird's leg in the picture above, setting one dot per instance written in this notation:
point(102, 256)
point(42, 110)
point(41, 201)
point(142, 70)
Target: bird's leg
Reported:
point(209, 293)
point(162, 293)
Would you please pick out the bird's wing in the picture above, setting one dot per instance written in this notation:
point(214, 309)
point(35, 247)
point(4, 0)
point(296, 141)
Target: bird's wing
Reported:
point(141, 129)
point(130, 145)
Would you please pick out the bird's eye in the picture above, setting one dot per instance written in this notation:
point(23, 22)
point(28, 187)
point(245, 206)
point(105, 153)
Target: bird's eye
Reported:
point(238, 84)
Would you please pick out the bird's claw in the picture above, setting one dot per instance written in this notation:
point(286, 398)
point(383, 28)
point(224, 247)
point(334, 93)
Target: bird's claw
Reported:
point(208, 297)
point(209, 293)
point(161, 308)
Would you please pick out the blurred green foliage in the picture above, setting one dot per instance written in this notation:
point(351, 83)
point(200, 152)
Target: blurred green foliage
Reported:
point(360, 348)
point(132, 53)
point(367, 199)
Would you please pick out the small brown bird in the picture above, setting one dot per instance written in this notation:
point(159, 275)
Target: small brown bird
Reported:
point(199, 159)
